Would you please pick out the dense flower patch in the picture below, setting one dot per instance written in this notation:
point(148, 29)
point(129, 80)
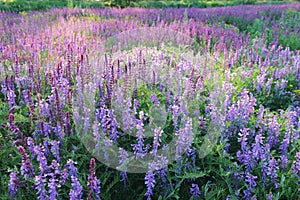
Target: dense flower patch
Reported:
point(245, 85)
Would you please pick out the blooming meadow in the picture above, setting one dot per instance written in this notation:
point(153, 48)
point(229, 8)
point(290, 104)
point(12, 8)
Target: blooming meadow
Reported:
point(110, 104)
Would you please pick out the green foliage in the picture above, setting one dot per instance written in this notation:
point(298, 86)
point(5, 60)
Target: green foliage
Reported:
point(29, 5)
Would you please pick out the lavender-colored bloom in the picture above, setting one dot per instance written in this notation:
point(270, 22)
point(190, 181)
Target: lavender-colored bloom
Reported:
point(31, 146)
point(42, 159)
point(296, 165)
point(154, 99)
point(260, 115)
point(46, 147)
point(285, 143)
point(257, 150)
point(185, 138)
point(94, 183)
point(64, 176)
point(53, 183)
point(55, 149)
point(40, 182)
point(76, 191)
point(150, 183)
point(162, 174)
point(113, 125)
point(156, 140)
point(123, 155)
point(194, 190)
point(27, 168)
point(247, 194)
point(14, 184)
point(250, 179)
point(270, 196)
point(243, 138)
point(254, 197)
point(272, 171)
point(274, 131)
point(11, 98)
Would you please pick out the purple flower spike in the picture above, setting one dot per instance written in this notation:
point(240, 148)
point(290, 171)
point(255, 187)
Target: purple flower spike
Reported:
point(14, 184)
point(150, 183)
point(195, 191)
point(94, 183)
point(76, 191)
point(27, 168)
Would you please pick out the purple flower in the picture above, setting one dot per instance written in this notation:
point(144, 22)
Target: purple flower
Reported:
point(42, 159)
point(31, 146)
point(185, 138)
point(250, 180)
point(55, 149)
point(247, 194)
point(150, 183)
point(270, 196)
point(40, 182)
point(257, 150)
point(64, 176)
point(76, 191)
point(194, 190)
point(156, 140)
point(260, 115)
point(11, 98)
point(53, 183)
point(272, 171)
point(154, 99)
point(27, 168)
point(274, 131)
point(14, 184)
point(243, 138)
point(296, 165)
point(94, 183)
point(285, 143)
point(123, 155)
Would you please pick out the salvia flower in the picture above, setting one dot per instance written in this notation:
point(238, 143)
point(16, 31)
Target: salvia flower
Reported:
point(76, 191)
point(94, 183)
point(250, 179)
point(194, 190)
point(150, 183)
point(272, 171)
point(53, 183)
point(55, 149)
point(27, 168)
point(243, 138)
point(123, 155)
point(156, 140)
point(296, 165)
point(14, 184)
point(40, 186)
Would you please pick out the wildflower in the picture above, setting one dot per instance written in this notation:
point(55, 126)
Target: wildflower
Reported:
point(76, 191)
point(250, 180)
point(243, 138)
point(55, 149)
point(123, 155)
point(94, 183)
point(296, 165)
point(272, 171)
point(150, 183)
point(156, 140)
point(27, 168)
point(14, 184)
point(270, 196)
point(195, 191)
point(53, 182)
point(40, 181)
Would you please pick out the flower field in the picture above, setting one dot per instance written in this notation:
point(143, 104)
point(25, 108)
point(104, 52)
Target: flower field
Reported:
point(135, 103)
